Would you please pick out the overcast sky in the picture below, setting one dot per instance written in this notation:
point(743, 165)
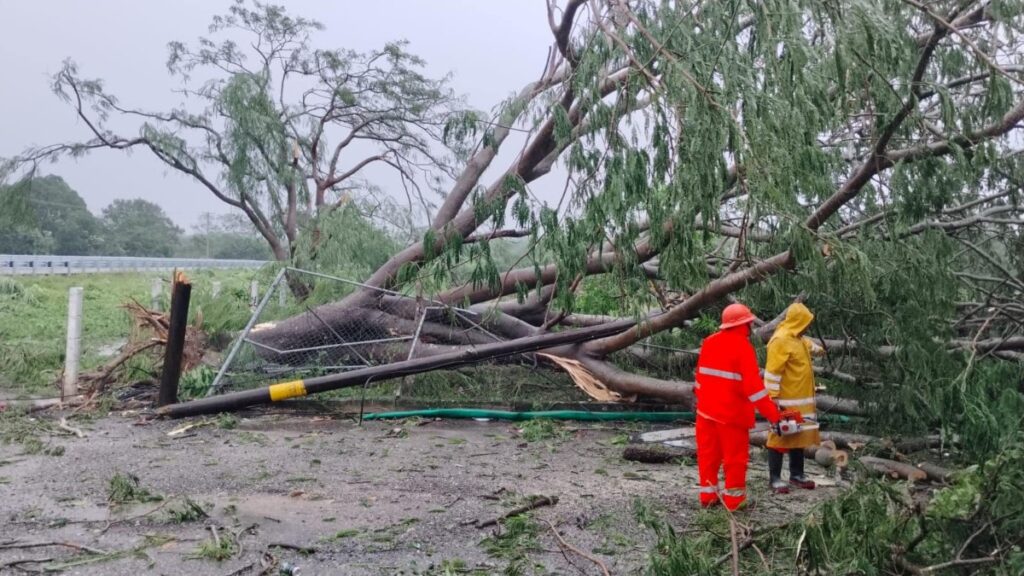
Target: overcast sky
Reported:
point(491, 48)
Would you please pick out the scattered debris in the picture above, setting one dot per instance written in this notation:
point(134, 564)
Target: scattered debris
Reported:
point(658, 453)
point(125, 488)
point(63, 425)
point(571, 548)
point(182, 429)
point(534, 503)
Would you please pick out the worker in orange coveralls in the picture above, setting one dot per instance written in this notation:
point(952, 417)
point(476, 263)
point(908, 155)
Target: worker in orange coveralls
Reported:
point(728, 389)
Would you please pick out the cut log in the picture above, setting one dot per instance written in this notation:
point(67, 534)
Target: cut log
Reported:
point(893, 469)
point(851, 441)
point(910, 445)
point(658, 453)
point(936, 473)
point(827, 456)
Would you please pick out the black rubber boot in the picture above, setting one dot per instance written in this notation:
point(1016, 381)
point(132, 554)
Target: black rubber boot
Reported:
point(796, 470)
point(775, 472)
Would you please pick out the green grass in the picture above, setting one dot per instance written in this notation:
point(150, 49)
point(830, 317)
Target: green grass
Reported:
point(542, 429)
point(513, 543)
point(217, 549)
point(125, 488)
point(33, 317)
point(185, 511)
point(31, 433)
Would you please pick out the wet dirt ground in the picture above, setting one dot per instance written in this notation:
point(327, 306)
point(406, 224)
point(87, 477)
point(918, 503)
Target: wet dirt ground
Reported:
point(333, 497)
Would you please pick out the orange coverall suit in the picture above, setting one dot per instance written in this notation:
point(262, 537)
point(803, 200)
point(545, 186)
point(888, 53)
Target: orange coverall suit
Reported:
point(728, 388)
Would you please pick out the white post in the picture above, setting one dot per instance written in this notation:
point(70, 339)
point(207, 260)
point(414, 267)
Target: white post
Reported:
point(74, 344)
point(282, 295)
point(254, 294)
point(216, 288)
point(154, 294)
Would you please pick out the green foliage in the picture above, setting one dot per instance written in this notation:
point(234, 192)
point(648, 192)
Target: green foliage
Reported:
point(541, 429)
point(513, 543)
point(856, 532)
point(985, 494)
point(196, 382)
point(218, 548)
point(227, 421)
point(17, 427)
point(126, 488)
point(43, 215)
point(869, 529)
point(673, 554)
point(343, 243)
point(185, 511)
point(342, 535)
point(138, 228)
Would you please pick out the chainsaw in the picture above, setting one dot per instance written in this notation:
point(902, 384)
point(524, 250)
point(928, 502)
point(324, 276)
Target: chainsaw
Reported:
point(792, 422)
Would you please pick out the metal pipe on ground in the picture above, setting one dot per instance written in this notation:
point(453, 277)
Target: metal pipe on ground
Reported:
point(298, 388)
point(177, 326)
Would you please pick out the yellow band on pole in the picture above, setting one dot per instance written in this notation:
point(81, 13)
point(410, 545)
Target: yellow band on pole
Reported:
point(286, 390)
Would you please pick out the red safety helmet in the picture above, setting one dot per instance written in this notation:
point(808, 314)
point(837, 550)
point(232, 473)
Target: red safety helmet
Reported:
point(736, 315)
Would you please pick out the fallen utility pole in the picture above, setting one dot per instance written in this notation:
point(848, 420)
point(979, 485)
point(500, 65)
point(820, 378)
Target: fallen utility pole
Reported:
point(297, 388)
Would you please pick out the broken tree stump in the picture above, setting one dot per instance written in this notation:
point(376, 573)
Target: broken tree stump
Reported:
point(658, 453)
point(893, 469)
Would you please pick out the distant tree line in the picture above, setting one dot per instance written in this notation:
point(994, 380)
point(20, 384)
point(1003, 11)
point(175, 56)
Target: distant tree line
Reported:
point(44, 215)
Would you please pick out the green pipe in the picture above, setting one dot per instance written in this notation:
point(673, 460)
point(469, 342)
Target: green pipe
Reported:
point(550, 414)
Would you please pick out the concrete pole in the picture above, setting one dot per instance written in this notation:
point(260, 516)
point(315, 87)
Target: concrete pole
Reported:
point(73, 351)
point(155, 292)
point(254, 294)
point(216, 288)
point(282, 295)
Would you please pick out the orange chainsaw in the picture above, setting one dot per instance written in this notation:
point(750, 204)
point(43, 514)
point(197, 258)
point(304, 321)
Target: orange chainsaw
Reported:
point(792, 422)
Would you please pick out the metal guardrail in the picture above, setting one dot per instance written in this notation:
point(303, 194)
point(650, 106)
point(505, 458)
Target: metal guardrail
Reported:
point(15, 264)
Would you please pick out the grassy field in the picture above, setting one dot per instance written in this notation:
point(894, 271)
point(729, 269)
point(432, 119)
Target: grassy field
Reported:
point(33, 316)
point(33, 313)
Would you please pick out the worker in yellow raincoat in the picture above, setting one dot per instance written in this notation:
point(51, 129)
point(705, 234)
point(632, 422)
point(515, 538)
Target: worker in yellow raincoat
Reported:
point(789, 379)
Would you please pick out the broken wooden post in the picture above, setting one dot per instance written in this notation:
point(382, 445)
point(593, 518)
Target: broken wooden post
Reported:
point(73, 350)
point(298, 388)
point(173, 352)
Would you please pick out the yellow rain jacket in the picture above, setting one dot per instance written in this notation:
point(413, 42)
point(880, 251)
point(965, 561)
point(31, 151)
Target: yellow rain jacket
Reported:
point(789, 376)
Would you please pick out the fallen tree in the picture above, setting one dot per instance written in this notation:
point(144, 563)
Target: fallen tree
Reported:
point(709, 152)
point(697, 201)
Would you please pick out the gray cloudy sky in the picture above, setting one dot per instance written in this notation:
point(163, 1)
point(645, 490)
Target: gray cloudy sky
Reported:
point(491, 47)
